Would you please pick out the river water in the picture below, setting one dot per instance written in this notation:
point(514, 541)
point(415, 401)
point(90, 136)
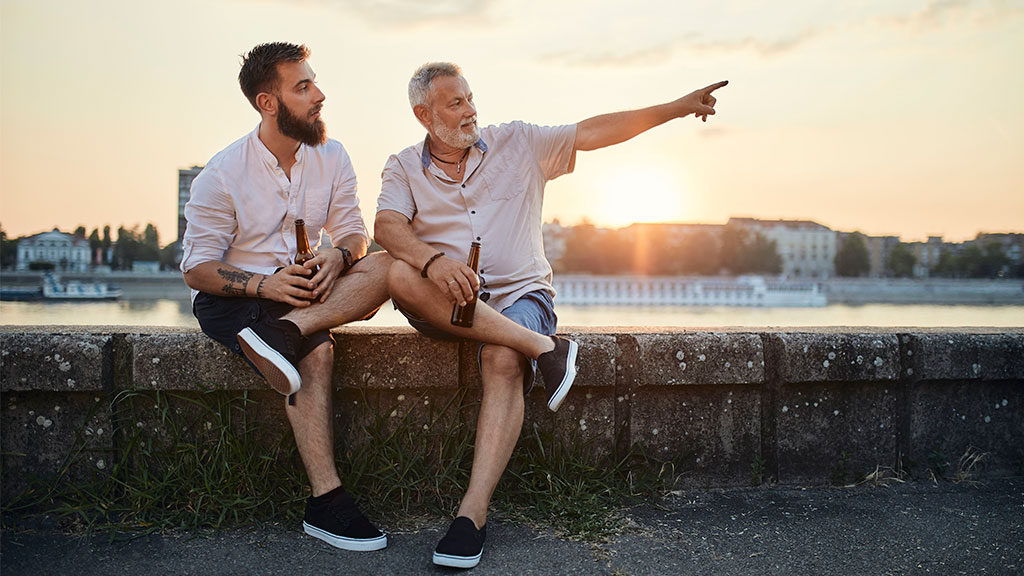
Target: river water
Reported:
point(178, 312)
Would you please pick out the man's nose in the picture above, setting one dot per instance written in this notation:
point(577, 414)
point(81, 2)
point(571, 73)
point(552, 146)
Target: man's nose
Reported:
point(320, 96)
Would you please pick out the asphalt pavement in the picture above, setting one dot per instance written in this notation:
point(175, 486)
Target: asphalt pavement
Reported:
point(914, 528)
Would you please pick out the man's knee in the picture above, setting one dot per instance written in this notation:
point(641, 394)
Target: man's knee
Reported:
point(400, 276)
point(376, 264)
point(502, 364)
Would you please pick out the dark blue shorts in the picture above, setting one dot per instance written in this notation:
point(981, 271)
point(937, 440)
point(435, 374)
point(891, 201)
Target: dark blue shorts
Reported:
point(223, 317)
point(534, 310)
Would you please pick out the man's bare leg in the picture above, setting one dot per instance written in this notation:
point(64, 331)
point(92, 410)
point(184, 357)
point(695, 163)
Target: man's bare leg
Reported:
point(360, 291)
point(420, 296)
point(498, 427)
point(310, 418)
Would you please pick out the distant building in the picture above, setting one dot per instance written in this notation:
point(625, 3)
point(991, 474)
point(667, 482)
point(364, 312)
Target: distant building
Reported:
point(1012, 244)
point(66, 252)
point(555, 236)
point(878, 253)
point(807, 249)
point(185, 178)
point(926, 255)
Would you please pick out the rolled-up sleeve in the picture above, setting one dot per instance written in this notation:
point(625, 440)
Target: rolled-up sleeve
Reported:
point(211, 222)
point(553, 148)
point(344, 217)
point(395, 193)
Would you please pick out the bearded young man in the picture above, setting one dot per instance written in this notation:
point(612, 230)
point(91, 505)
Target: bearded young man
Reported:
point(248, 295)
point(465, 184)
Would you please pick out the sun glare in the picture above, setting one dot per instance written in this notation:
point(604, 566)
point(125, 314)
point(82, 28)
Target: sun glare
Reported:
point(641, 195)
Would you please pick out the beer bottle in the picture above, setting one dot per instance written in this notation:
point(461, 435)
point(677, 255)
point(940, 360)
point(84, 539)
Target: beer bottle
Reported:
point(302, 250)
point(462, 316)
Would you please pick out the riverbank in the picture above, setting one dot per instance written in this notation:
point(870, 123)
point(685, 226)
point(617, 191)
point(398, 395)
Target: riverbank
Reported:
point(854, 291)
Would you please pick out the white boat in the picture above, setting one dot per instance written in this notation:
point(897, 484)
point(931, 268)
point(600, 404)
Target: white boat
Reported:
point(686, 291)
point(54, 289)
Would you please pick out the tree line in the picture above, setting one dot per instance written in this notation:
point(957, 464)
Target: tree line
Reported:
point(655, 250)
point(970, 260)
point(119, 252)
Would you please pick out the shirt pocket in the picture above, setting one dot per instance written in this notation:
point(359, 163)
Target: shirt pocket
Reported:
point(314, 209)
point(504, 179)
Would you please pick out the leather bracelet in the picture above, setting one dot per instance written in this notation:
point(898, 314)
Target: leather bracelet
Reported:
point(423, 272)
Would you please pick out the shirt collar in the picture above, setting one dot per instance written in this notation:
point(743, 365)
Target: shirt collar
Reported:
point(425, 154)
point(267, 155)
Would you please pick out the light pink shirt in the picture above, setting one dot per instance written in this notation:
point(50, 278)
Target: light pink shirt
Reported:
point(242, 208)
point(498, 203)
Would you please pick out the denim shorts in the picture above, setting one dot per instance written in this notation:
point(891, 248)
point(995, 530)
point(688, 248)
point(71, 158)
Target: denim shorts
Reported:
point(534, 310)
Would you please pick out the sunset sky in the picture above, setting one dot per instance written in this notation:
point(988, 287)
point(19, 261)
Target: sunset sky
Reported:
point(902, 118)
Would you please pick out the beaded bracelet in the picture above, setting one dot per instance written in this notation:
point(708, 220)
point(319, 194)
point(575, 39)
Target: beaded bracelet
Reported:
point(423, 272)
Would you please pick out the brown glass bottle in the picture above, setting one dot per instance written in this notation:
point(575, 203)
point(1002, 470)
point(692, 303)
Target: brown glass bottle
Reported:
point(462, 316)
point(302, 250)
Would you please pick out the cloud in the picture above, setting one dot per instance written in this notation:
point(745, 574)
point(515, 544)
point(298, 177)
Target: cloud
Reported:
point(939, 13)
point(414, 13)
point(691, 44)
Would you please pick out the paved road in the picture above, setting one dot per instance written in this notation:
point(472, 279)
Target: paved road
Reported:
point(904, 529)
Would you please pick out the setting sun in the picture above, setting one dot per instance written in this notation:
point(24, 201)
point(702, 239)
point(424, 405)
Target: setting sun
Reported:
point(641, 194)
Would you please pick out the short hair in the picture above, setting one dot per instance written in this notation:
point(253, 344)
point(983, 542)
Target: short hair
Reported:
point(259, 67)
point(419, 84)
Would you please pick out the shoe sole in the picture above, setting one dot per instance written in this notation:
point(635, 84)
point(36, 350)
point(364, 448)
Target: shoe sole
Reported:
point(457, 561)
point(570, 374)
point(351, 544)
point(275, 368)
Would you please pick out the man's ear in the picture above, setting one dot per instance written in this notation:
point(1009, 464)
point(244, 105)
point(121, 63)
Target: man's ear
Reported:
point(423, 114)
point(267, 103)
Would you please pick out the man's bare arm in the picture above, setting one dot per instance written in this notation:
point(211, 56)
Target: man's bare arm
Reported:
point(453, 278)
point(286, 285)
point(610, 129)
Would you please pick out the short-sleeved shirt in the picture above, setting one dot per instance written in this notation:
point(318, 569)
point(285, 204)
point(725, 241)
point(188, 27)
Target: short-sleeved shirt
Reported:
point(498, 203)
point(243, 207)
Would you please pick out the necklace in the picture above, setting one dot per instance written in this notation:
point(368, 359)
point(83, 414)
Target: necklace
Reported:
point(458, 163)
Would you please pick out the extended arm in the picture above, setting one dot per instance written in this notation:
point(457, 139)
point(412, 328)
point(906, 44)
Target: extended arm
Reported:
point(286, 285)
point(609, 129)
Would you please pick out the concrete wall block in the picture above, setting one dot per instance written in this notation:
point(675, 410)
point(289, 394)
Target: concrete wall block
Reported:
point(404, 360)
point(835, 433)
point(41, 430)
point(595, 362)
point(66, 361)
point(417, 418)
point(700, 358)
point(965, 356)
point(712, 433)
point(187, 361)
point(948, 419)
point(838, 357)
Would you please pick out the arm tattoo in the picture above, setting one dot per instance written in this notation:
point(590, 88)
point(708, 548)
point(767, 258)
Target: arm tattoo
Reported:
point(259, 287)
point(235, 278)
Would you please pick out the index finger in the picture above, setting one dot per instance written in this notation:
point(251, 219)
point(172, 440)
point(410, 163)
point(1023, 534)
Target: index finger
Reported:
point(715, 86)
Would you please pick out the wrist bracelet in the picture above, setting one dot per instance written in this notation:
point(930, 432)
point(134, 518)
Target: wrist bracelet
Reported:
point(423, 272)
point(346, 258)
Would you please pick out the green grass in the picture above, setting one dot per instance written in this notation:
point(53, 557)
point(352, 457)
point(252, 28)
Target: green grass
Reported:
point(211, 460)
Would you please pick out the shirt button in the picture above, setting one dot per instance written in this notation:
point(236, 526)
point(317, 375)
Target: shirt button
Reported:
point(463, 185)
point(472, 211)
point(477, 237)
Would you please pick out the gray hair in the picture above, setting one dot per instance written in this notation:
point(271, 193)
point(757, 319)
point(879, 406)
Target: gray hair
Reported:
point(419, 84)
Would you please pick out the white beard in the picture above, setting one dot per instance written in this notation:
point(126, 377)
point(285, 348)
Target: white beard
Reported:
point(455, 138)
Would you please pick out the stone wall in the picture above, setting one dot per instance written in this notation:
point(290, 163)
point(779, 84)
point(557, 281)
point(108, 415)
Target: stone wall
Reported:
point(728, 407)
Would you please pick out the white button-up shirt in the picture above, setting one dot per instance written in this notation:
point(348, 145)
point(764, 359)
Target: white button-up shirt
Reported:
point(243, 207)
point(498, 203)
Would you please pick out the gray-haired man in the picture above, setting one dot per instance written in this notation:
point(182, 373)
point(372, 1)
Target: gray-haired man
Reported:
point(463, 184)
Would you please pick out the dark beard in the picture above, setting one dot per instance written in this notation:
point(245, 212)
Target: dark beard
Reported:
point(309, 133)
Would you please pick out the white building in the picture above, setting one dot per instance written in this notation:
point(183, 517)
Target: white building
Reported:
point(808, 249)
point(66, 252)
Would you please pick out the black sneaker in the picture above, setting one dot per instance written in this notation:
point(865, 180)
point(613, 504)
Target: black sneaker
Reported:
point(558, 368)
point(335, 519)
point(273, 346)
point(462, 546)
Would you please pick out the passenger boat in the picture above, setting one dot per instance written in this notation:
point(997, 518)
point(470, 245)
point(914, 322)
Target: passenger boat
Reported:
point(54, 289)
point(687, 291)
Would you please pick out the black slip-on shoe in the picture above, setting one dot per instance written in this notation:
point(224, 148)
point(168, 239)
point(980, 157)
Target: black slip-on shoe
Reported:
point(558, 367)
point(462, 546)
point(273, 346)
point(339, 522)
